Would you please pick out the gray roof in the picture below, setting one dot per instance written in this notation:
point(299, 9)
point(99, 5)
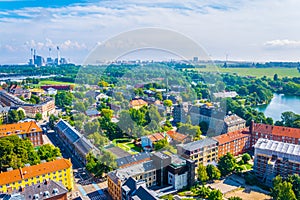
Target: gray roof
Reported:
point(144, 193)
point(279, 147)
point(4, 109)
point(77, 139)
point(198, 144)
point(85, 146)
point(45, 190)
point(132, 158)
point(225, 94)
point(92, 112)
point(234, 119)
point(134, 170)
point(71, 133)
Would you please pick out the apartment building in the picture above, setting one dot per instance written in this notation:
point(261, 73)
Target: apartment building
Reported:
point(145, 171)
point(236, 142)
point(75, 141)
point(46, 107)
point(59, 170)
point(24, 130)
point(202, 151)
point(272, 158)
point(277, 133)
point(49, 190)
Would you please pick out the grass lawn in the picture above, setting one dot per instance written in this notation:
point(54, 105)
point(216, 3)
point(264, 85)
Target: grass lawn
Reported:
point(49, 82)
point(127, 145)
point(258, 72)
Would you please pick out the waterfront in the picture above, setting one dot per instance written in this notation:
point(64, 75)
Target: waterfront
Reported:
point(279, 104)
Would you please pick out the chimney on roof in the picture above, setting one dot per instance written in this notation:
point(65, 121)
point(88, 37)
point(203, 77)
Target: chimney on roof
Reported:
point(251, 128)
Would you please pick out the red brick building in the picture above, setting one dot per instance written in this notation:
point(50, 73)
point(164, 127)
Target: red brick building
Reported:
point(24, 130)
point(236, 142)
point(276, 133)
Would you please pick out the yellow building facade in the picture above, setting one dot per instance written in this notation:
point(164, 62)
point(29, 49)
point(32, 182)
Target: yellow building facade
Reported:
point(59, 170)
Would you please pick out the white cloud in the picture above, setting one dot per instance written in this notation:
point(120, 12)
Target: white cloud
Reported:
point(282, 43)
point(235, 27)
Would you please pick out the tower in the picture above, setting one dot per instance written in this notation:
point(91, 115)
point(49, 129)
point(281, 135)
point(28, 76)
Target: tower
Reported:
point(58, 56)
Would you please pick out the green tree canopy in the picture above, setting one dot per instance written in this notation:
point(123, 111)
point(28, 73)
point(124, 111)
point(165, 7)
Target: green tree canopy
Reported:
point(226, 164)
point(213, 172)
point(202, 174)
point(48, 152)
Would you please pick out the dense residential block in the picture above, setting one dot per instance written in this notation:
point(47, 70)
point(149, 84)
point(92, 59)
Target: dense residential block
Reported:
point(202, 151)
point(24, 130)
point(272, 158)
point(145, 171)
point(277, 133)
point(217, 120)
point(46, 107)
point(236, 142)
point(59, 170)
point(49, 190)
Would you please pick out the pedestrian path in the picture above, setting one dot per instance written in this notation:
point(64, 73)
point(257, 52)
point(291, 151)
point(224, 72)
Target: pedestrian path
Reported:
point(98, 189)
point(82, 191)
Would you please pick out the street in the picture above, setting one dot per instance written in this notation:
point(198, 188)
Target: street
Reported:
point(85, 186)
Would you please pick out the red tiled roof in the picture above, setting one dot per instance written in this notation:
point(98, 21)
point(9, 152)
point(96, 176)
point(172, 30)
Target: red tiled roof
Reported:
point(19, 128)
point(229, 137)
point(156, 137)
point(277, 130)
point(176, 136)
point(138, 102)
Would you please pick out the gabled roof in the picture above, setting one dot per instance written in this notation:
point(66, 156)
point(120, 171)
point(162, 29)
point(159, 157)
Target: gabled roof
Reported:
point(138, 102)
point(144, 193)
point(19, 128)
point(231, 120)
point(277, 130)
point(156, 137)
point(177, 136)
point(71, 133)
point(33, 171)
point(229, 137)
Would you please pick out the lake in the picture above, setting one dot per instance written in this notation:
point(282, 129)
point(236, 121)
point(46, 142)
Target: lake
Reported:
point(279, 104)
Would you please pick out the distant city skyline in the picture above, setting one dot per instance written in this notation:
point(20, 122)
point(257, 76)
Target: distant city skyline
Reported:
point(254, 31)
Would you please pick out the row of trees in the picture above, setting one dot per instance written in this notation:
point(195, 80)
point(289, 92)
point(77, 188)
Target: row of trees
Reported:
point(16, 152)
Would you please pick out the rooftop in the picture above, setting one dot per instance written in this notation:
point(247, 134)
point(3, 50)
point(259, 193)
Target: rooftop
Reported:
point(138, 102)
point(33, 171)
point(233, 120)
point(45, 190)
point(229, 137)
point(177, 136)
point(198, 144)
point(134, 170)
point(132, 158)
point(280, 147)
point(19, 128)
point(225, 94)
point(277, 130)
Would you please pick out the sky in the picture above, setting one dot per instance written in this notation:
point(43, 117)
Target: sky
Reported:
point(255, 31)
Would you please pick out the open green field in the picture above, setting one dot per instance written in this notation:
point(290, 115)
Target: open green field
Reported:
point(258, 72)
point(48, 82)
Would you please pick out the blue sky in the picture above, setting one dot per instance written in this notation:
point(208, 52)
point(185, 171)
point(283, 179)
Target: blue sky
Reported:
point(257, 30)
